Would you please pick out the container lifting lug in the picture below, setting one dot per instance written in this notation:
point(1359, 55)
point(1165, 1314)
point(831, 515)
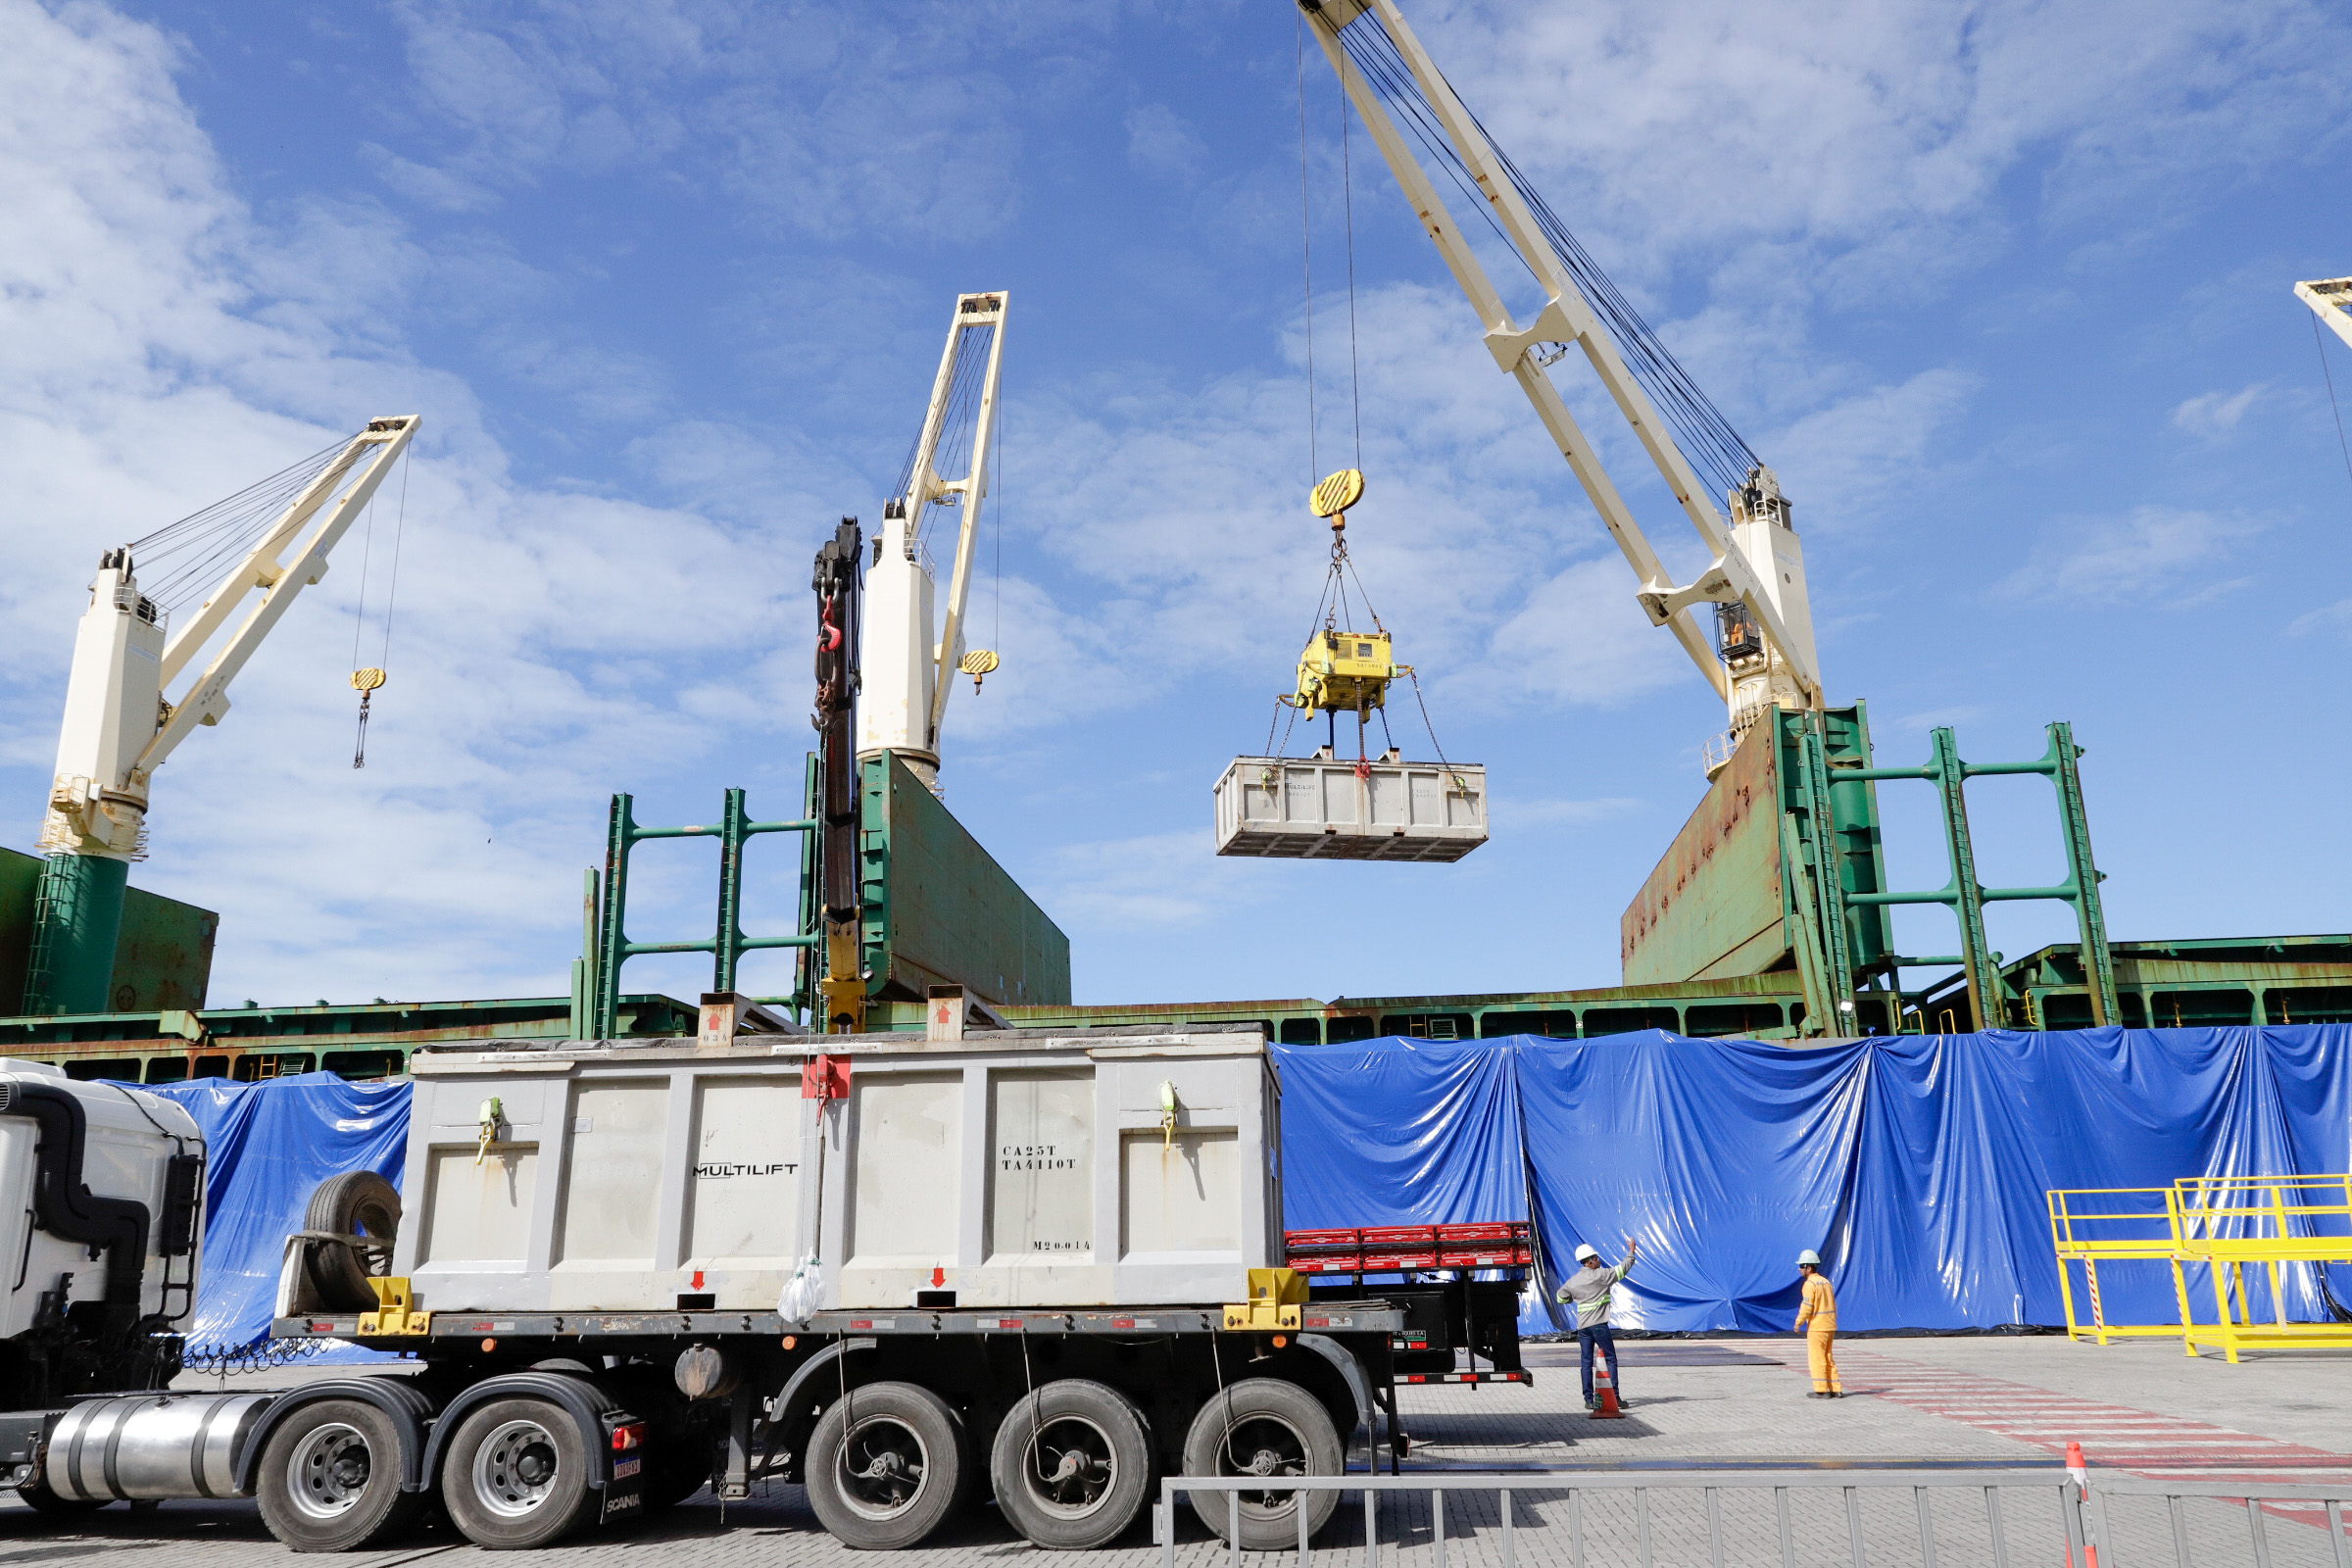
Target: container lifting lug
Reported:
point(493, 1115)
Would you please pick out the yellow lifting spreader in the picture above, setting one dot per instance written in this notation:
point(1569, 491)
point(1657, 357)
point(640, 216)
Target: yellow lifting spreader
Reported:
point(1344, 671)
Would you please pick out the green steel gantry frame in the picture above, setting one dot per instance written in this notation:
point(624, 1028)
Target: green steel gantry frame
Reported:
point(605, 944)
point(1831, 845)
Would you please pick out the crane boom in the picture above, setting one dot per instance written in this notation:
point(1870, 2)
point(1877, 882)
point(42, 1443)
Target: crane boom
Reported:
point(120, 726)
point(1757, 561)
point(908, 671)
point(2332, 298)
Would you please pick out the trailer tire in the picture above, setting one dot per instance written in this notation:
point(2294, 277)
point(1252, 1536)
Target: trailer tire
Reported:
point(1263, 1426)
point(1072, 1464)
point(357, 1202)
point(886, 1466)
point(516, 1475)
point(329, 1478)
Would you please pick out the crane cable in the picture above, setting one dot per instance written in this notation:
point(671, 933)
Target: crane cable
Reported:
point(367, 681)
point(1332, 604)
point(187, 558)
point(1307, 250)
point(2319, 342)
point(1706, 437)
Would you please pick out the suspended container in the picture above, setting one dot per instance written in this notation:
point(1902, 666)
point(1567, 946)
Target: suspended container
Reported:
point(1321, 808)
point(1329, 808)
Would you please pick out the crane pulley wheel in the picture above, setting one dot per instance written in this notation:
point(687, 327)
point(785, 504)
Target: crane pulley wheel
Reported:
point(1337, 493)
point(367, 680)
point(978, 663)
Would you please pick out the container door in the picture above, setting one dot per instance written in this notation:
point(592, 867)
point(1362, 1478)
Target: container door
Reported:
point(608, 1226)
point(1041, 1247)
point(1191, 1183)
point(744, 1201)
point(905, 1194)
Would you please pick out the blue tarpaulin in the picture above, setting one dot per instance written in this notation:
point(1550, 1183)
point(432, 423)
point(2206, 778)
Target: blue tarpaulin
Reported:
point(1916, 1165)
point(267, 1146)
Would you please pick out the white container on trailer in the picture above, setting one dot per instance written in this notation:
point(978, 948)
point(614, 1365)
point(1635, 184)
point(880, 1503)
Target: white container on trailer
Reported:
point(1014, 1169)
point(1330, 808)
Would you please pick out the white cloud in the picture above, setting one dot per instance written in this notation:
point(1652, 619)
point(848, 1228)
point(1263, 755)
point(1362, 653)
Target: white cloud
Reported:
point(1581, 639)
point(1159, 142)
point(2180, 555)
point(1875, 130)
point(1161, 881)
point(159, 354)
point(1842, 462)
point(2338, 614)
point(811, 116)
point(2211, 415)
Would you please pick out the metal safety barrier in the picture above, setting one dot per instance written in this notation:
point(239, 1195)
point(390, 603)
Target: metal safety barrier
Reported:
point(2090, 1537)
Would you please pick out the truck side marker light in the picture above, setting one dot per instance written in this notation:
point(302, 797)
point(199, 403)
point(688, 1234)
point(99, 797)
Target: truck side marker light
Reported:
point(488, 1346)
point(792, 1342)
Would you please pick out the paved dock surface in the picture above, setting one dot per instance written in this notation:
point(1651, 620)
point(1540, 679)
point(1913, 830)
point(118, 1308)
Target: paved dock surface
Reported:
point(2142, 1408)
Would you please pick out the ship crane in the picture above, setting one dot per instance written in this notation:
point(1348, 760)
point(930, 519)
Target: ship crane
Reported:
point(910, 654)
point(1761, 654)
point(121, 723)
point(2332, 299)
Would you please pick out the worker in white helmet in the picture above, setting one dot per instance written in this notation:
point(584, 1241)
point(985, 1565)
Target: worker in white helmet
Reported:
point(1589, 1287)
point(1817, 1320)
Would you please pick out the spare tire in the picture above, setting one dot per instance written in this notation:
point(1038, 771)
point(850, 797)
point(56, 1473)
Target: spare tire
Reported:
point(358, 1202)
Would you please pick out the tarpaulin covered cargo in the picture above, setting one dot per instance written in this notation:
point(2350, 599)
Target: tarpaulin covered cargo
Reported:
point(1915, 1164)
point(266, 1146)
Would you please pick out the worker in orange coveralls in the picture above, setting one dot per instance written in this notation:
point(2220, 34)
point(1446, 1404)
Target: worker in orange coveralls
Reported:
point(1818, 1319)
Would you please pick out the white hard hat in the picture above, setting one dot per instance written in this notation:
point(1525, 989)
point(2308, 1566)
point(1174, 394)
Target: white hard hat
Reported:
point(1586, 1251)
point(1808, 1255)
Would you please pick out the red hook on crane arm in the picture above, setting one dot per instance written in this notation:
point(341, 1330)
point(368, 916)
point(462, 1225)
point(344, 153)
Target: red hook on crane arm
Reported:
point(829, 639)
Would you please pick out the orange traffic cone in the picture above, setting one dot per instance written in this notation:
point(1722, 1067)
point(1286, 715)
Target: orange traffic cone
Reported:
point(2078, 1470)
point(1604, 1388)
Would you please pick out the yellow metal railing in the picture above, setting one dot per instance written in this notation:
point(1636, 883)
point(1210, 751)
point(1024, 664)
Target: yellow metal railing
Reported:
point(2092, 1225)
point(2221, 1223)
point(2273, 1222)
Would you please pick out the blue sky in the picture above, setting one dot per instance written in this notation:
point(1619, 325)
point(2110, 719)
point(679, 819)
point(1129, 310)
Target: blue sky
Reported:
point(2001, 290)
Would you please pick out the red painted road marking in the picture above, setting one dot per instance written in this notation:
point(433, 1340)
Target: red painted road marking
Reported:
point(2143, 1442)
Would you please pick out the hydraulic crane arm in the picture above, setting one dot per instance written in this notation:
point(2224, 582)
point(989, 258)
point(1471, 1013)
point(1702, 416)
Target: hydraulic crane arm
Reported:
point(1734, 575)
point(2332, 298)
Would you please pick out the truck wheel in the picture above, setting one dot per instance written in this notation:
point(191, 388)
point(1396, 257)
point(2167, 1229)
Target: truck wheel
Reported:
point(886, 1466)
point(516, 1475)
point(1072, 1464)
point(357, 1202)
point(329, 1478)
point(1265, 1427)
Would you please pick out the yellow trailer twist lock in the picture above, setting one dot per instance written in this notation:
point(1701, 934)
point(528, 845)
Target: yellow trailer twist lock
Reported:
point(1277, 1299)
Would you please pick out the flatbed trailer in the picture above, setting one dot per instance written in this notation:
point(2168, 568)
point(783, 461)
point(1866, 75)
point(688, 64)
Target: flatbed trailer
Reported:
point(1070, 1415)
point(904, 1273)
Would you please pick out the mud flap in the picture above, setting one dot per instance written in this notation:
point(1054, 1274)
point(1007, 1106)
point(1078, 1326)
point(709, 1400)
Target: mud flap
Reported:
point(625, 1480)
